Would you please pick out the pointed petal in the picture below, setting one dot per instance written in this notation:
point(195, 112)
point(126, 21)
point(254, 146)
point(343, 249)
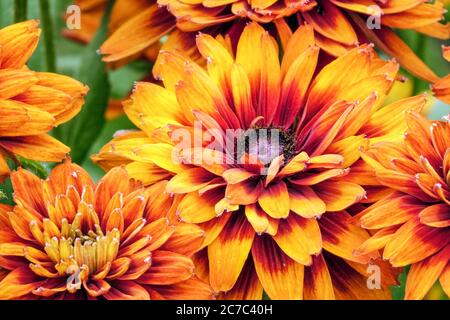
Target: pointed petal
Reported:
point(280, 276)
point(228, 252)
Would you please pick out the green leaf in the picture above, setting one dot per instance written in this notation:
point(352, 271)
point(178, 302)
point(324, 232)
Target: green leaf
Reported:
point(6, 12)
point(398, 292)
point(6, 193)
point(20, 10)
point(40, 169)
point(82, 131)
point(123, 79)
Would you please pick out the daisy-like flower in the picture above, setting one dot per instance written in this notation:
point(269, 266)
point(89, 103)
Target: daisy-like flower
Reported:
point(339, 24)
point(441, 88)
point(68, 238)
point(275, 213)
point(412, 223)
point(31, 103)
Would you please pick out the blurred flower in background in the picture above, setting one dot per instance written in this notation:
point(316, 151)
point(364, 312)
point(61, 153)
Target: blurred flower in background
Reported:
point(146, 20)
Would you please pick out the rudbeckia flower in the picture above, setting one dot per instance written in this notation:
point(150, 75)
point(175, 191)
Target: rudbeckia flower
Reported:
point(441, 88)
point(339, 24)
point(67, 238)
point(31, 103)
point(412, 223)
point(276, 217)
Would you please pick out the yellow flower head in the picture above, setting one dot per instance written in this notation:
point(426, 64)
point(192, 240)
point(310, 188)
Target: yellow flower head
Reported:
point(274, 209)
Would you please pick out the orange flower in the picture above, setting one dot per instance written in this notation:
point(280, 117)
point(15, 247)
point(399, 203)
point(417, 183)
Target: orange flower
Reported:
point(413, 221)
point(261, 216)
point(68, 238)
point(339, 24)
point(441, 88)
point(31, 103)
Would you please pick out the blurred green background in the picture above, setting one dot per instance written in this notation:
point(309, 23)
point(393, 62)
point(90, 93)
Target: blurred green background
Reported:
point(89, 131)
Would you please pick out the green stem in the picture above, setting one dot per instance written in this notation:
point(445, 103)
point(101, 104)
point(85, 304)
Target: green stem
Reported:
point(420, 85)
point(47, 27)
point(20, 10)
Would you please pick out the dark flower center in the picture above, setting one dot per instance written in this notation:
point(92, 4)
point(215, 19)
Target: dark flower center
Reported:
point(266, 144)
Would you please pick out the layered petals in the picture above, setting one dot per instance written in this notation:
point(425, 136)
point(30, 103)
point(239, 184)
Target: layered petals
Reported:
point(32, 103)
point(92, 241)
point(271, 144)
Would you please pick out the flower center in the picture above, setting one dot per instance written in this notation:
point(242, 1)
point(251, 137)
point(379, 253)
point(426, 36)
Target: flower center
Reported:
point(267, 143)
point(80, 254)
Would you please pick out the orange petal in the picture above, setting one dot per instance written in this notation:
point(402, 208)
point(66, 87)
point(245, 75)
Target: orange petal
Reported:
point(18, 282)
point(40, 147)
point(189, 180)
point(242, 95)
point(236, 175)
point(228, 253)
point(339, 195)
point(274, 200)
point(28, 190)
point(436, 216)
point(318, 285)
point(18, 42)
point(20, 119)
point(294, 86)
point(394, 209)
point(341, 237)
point(423, 275)
point(244, 193)
point(391, 44)
point(214, 227)
point(444, 279)
point(299, 42)
point(196, 208)
point(219, 61)
point(348, 284)
point(15, 82)
point(138, 33)
point(332, 23)
point(305, 202)
point(151, 107)
point(247, 286)
point(186, 240)
point(192, 289)
point(299, 238)
point(377, 241)
point(280, 276)
point(126, 290)
point(260, 221)
point(414, 242)
point(167, 268)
